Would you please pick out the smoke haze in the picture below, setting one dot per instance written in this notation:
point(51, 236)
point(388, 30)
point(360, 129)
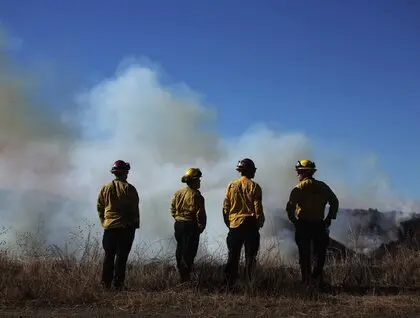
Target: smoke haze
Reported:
point(49, 175)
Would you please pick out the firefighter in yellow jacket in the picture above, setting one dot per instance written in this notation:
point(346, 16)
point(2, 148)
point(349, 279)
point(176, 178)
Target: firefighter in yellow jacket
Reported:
point(244, 216)
point(188, 210)
point(305, 210)
point(119, 213)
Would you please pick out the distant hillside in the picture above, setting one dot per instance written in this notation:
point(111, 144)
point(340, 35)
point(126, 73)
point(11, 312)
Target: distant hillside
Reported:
point(359, 230)
point(408, 237)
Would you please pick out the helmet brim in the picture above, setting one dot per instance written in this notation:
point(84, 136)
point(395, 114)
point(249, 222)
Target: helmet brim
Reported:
point(306, 169)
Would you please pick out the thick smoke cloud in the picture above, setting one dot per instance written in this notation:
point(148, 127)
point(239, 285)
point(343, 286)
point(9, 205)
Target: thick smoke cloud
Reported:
point(50, 177)
point(33, 149)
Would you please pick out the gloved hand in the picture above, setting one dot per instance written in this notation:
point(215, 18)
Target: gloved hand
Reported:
point(200, 229)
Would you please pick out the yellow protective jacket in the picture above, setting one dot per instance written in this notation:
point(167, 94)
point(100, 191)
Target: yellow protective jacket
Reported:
point(188, 205)
point(118, 205)
point(243, 199)
point(308, 199)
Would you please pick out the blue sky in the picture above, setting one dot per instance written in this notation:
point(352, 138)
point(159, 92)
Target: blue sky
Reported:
point(341, 71)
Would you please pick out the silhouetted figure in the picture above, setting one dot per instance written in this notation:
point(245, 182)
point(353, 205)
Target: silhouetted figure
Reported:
point(244, 216)
point(305, 210)
point(188, 210)
point(118, 209)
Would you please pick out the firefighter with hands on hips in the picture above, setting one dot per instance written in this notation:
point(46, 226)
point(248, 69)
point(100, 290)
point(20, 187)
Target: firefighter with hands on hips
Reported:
point(119, 213)
point(244, 216)
point(188, 210)
point(305, 209)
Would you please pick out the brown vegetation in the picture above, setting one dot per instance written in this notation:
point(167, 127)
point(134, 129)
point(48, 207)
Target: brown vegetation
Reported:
point(358, 287)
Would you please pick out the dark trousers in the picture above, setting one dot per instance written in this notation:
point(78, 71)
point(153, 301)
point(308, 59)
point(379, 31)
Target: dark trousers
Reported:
point(187, 236)
point(248, 235)
point(311, 236)
point(117, 244)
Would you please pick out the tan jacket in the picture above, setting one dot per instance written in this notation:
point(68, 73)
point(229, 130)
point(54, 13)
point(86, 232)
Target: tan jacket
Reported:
point(118, 205)
point(189, 205)
point(308, 199)
point(243, 199)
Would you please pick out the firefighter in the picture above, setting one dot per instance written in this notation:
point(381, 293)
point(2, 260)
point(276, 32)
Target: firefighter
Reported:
point(305, 209)
point(189, 213)
point(119, 213)
point(244, 216)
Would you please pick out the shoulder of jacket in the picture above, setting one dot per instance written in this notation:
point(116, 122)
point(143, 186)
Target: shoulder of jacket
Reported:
point(231, 183)
point(131, 186)
point(133, 189)
point(320, 183)
point(301, 184)
point(238, 180)
point(197, 194)
point(177, 192)
point(181, 191)
point(256, 184)
point(107, 185)
point(325, 186)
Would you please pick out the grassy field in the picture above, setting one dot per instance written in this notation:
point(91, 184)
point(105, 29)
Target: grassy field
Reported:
point(37, 285)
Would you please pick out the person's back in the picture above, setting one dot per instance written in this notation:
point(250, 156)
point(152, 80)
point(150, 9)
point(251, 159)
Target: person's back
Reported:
point(119, 213)
point(305, 209)
point(188, 205)
point(244, 216)
point(119, 200)
point(188, 210)
point(311, 197)
point(243, 199)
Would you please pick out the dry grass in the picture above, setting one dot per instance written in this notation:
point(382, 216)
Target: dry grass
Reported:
point(359, 287)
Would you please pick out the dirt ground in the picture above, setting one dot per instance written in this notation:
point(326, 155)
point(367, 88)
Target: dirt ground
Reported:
point(189, 305)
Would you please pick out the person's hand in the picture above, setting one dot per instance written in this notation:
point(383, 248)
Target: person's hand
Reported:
point(200, 229)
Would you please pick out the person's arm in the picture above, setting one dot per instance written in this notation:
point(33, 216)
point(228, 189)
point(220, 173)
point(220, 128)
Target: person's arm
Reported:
point(136, 208)
point(100, 205)
point(291, 204)
point(258, 206)
point(201, 213)
point(226, 207)
point(333, 203)
point(173, 206)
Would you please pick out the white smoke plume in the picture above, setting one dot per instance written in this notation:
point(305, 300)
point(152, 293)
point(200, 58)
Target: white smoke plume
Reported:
point(53, 167)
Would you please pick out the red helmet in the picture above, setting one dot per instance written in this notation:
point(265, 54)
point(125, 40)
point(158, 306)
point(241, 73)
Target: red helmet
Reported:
point(245, 165)
point(120, 165)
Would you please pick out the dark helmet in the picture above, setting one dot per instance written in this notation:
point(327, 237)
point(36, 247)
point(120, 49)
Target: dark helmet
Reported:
point(246, 165)
point(120, 166)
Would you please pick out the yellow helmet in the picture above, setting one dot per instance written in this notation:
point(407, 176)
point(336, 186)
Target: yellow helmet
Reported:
point(191, 173)
point(305, 164)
